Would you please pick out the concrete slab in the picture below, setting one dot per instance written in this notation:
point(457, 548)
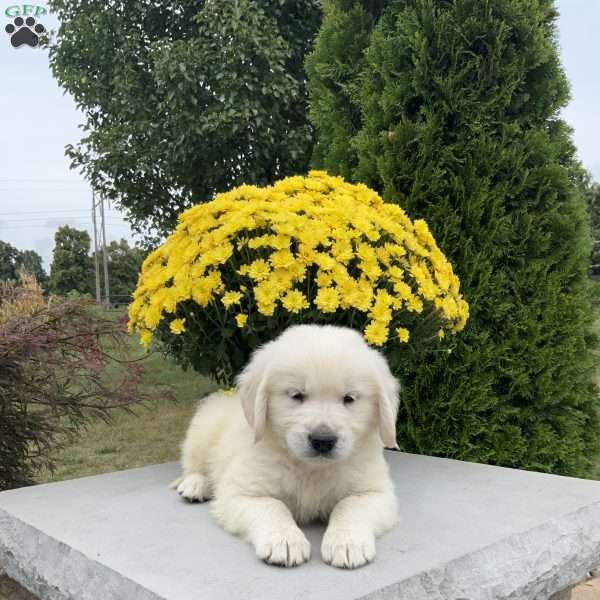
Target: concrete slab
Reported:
point(468, 531)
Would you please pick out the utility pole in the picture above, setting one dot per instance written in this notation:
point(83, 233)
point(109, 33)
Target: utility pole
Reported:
point(96, 264)
point(104, 255)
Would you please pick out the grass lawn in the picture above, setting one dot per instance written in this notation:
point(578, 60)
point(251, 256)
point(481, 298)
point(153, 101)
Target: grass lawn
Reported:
point(151, 435)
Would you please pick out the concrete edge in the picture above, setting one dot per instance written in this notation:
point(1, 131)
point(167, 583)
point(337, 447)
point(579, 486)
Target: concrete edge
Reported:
point(513, 567)
point(52, 570)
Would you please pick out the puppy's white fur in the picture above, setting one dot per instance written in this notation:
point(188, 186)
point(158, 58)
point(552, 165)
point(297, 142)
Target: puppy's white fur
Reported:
point(250, 452)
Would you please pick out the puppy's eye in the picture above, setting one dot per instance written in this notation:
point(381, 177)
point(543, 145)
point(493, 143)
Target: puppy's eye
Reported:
point(298, 396)
point(348, 399)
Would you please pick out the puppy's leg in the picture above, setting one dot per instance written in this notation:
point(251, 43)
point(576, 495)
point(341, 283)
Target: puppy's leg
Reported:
point(204, 428)
point(355, 522)
point(267, 524)
point(193, 485)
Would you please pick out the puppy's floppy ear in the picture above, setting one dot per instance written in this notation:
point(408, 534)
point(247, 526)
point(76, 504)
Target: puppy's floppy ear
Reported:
point(252, 388)
point(388, 400)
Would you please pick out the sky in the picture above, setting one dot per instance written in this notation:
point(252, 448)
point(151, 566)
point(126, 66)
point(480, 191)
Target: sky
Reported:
point(39, 192)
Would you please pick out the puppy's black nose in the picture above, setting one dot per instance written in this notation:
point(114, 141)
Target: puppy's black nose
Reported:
point(322, 442)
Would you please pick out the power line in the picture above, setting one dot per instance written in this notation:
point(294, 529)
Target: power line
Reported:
point(38, 212)
point(70, 219)
point(43, 180)
point(33, 226)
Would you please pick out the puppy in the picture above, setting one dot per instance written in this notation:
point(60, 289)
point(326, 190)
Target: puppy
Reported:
point(301, 439)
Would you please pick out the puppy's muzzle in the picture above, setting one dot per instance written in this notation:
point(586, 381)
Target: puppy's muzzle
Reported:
point(322, 440)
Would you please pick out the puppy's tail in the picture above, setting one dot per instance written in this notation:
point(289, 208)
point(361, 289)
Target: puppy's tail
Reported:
point(173, 485)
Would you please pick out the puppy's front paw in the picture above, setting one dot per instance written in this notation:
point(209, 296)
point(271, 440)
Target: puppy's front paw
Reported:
point(348, 548)
point(284, 548)
point(193, 488)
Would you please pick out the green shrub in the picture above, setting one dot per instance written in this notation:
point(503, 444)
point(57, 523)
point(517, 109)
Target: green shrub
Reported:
point(455, 115)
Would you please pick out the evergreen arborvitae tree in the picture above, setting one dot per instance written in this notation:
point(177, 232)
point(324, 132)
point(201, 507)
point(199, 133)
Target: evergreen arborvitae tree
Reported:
point(455, 116)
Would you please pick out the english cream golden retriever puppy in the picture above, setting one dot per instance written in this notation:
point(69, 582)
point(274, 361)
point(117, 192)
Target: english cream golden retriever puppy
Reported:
point(302, 439)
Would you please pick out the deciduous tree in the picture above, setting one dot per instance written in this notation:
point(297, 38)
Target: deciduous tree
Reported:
point(185, 99)
point(71, 268)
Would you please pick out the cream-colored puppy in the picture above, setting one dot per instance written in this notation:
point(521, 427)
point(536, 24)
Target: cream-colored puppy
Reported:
point(302, 439)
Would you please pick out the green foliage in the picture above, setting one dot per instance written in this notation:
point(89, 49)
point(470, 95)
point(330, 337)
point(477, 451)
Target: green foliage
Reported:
point(8, 261)
point(457, 106)
point(185, 99)
point(124, 264)
point(334, 68)
point(71, 265)
point(13, 260)
point(591, 191)
point(31, 262)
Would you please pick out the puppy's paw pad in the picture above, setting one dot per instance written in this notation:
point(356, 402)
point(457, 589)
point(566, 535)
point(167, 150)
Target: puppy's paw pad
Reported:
point(286, 549)
point(348, 549)
point(193, 488)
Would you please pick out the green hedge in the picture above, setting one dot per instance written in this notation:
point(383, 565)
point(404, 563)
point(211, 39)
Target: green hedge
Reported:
point(450, 108)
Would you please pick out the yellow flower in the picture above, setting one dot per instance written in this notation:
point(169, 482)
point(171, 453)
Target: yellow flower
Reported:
point(219, 255)
point(383, 255)
point(231, 298)
point(241, 320)
point(403, 334)
point(325, 261)
point(395, 273)
point(294, 301)
point(327, 300)
point(414, 304)
point(152, 316)
point(306, 239)
point(259, 270)
point(441, 334)
point(201, 295)
point(266, 308)
point(177, 326)
point(281, 280)
point(282, 259)
point(366, 253)
point(371, 269)
point(403, 290)
point(265, 293)
point(342, 251)
point(423, 232)
point(203, 289)
point(324, 279)
point(298, 271)
point(428, 289)
point(146, 338)
point(306, 253)
point(376, 333)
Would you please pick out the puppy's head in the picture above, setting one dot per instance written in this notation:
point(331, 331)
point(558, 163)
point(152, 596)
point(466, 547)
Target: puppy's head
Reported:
point(320, 390)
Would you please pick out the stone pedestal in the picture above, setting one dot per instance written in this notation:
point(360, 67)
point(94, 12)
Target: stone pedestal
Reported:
point(468, 531)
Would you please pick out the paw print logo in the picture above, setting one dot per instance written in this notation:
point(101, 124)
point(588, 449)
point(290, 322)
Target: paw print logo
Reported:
point(24, 32)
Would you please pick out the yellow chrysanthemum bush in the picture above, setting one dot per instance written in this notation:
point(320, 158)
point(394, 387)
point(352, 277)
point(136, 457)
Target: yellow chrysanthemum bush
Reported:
point(240, 269)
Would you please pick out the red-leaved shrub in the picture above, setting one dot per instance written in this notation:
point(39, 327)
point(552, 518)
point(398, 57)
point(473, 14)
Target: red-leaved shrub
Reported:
point(61, 365)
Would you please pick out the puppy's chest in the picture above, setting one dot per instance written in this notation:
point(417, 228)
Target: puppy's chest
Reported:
point(311, 496)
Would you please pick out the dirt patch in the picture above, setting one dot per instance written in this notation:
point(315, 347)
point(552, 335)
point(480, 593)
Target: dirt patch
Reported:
point(11, 590)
